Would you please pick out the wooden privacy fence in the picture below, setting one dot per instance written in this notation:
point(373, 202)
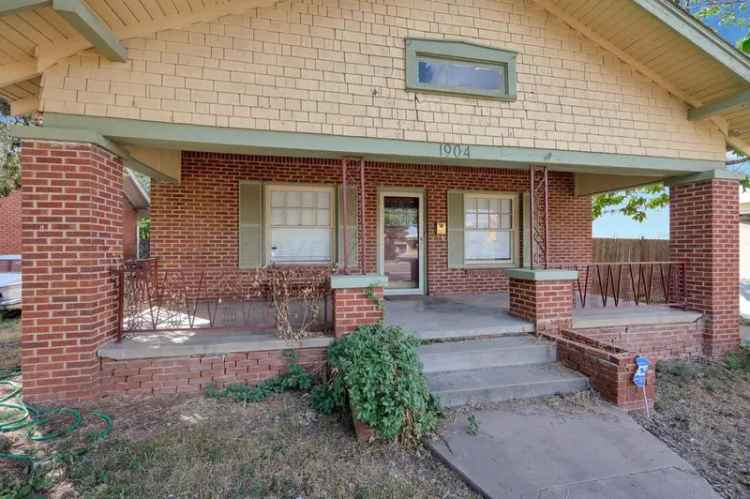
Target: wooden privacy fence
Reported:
point(630, 250)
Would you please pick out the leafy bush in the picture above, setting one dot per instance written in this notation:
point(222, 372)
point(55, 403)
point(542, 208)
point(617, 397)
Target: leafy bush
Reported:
point(375, 372)
point(739, 361)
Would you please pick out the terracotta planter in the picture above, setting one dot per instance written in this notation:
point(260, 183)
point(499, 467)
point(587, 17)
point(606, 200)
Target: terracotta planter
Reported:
point(365, 433)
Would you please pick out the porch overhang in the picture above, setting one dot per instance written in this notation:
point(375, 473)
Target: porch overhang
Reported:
point(131, 135)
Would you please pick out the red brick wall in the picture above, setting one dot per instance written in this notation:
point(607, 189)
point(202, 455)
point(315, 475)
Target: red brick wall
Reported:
point(72, 237)
point(549, 304)
point(194, 223)
point(10, 224)
point(353, 308)
point(129, 228)
point(704, 231)
point(657, 342)
point(195, 373)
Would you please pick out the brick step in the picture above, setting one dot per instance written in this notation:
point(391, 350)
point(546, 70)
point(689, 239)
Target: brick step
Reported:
point(481, 353)
point(498, 384)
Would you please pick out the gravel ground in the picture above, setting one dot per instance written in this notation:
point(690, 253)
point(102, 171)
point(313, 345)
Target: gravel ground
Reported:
point(703, 413)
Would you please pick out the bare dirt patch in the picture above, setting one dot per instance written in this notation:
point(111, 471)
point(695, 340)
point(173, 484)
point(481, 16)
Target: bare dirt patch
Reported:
point(703, 413)
point(10, 337)
point(198, 447)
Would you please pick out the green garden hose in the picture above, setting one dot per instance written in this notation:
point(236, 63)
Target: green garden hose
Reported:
point(27, 416)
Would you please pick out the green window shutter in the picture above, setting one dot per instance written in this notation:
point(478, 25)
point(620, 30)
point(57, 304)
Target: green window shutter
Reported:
point(352, 231)
point(251, 225)
point(526, 227)
point(455, 230)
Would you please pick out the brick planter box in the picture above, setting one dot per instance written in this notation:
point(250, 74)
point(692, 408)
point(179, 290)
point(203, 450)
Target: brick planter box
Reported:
point(609, 368)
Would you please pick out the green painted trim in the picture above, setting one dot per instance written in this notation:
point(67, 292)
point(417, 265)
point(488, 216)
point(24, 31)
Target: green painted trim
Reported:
point(717, 174)
point(527, 274)
point(358, 281)
point(93, 29)
point(66, 135)
point(242, 141)
point(14, 6)
point(738, 100)
point(699, 34)
point(460, 51)
point(87, 137)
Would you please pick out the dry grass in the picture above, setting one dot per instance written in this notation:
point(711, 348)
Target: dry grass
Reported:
point(204, 448)
point(10, 337)
point(702, 412)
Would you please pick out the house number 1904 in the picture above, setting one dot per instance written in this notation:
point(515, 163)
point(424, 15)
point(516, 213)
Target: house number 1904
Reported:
point(454, 151)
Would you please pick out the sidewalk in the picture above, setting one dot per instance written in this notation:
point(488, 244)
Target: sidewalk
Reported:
point(542, 453)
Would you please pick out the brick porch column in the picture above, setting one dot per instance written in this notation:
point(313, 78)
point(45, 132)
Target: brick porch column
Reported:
point(544, 297)
point(357, 301)
point(72, 237)
point(704, 232)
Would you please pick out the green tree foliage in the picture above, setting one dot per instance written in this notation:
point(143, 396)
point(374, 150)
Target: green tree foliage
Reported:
point(10, 163)
point(727, 12)
point(631, 202)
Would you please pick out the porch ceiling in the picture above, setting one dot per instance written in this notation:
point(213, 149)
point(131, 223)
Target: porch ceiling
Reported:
point(674, 50)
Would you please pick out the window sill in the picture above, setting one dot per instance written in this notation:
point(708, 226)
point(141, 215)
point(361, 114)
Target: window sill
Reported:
point(489, 265)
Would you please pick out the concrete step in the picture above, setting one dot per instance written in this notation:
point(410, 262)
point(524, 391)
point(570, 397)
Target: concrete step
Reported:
point(498, 384)
point(496, 352)
point(508, 327)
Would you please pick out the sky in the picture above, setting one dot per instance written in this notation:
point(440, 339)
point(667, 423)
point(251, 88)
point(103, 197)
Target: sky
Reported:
point(656, 225)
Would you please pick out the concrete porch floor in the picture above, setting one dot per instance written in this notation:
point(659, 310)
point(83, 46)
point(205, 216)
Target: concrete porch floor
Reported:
point(436, 317)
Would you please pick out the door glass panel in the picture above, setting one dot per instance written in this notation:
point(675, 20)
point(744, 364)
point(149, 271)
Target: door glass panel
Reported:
point(401, 241)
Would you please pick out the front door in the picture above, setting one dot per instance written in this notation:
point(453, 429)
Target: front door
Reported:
point(401, 233)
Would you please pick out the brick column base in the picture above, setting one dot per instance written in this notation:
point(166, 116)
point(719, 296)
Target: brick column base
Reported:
point(704, 232)
point(357, 301)
point(544, 297)
point(72, 238)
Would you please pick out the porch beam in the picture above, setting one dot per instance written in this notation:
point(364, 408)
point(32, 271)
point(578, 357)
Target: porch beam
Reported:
point(16, 72)
point(737, 101)
point(242, 141)
point(162, 166)
point(587, 184)
point(93, 29)
point(14, 6)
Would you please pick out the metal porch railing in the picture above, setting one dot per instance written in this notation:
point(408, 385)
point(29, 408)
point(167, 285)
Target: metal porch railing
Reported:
point(151, 298)
point(630, 283)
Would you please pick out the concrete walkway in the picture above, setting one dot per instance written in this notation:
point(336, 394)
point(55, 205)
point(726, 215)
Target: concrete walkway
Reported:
point(542, 453)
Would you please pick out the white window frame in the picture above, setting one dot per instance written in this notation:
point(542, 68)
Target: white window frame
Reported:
point(268, 189)
point(515, 245)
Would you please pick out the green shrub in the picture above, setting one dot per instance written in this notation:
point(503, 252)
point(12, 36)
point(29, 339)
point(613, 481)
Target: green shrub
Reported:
point(376, 373)
point(739, 361)
point(295, 379)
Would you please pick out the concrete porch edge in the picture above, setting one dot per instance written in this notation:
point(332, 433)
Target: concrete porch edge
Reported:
point(190, 343)
point(528, 274)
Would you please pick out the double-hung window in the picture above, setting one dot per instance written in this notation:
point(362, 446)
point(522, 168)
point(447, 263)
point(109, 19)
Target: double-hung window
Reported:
point(300, 221)
point(488, 229)
point(454, 67)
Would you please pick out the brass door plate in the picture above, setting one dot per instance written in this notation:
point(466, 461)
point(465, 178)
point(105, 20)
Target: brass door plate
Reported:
point(441, 229)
